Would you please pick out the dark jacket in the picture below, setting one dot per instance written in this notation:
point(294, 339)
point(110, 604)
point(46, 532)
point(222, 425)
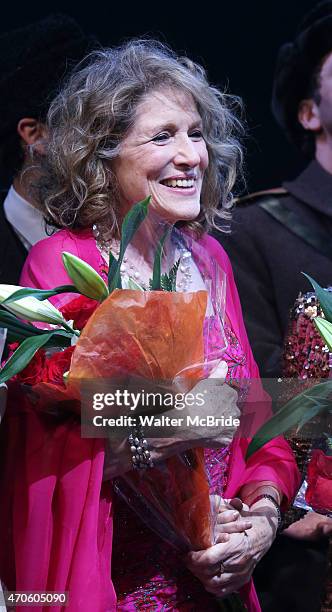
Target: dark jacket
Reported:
point(268, 259)
point(12, 251)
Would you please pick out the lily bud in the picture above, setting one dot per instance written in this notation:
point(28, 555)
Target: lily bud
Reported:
point(86, 280)
point(29, 308)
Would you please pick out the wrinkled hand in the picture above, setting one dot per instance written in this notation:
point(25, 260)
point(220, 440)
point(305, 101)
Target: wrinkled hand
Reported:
point(170, 439)
point(220, 400)
point(219, 576)
point(312, 527)
point(229, 519)
point(229, 564)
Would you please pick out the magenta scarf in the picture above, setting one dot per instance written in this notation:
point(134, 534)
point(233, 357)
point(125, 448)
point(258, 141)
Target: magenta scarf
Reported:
point(56, 520)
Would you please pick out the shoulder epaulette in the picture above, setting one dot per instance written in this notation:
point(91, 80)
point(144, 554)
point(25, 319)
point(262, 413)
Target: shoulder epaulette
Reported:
point(252, 197)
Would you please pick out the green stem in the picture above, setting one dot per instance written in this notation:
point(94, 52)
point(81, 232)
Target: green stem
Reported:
point(74, 332)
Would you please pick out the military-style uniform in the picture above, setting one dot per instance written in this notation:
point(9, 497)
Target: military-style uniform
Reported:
point(275, 236)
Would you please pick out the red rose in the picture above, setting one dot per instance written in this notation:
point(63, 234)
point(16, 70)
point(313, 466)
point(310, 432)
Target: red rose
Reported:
point(13, 346)
point(57, 365)
point(319, 491)
point(33, 373)
point(79, 310)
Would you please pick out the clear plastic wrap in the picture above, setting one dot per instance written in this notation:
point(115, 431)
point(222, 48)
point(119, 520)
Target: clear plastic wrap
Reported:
point(175, 339)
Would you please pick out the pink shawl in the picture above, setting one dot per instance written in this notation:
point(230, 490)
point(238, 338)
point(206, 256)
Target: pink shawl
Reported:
point(65, 479)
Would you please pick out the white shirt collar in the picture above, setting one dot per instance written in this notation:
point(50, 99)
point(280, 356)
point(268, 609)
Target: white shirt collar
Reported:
point(26, 220)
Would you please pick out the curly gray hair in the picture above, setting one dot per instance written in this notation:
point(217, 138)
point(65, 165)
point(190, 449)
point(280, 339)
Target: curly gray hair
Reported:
point(91, 115)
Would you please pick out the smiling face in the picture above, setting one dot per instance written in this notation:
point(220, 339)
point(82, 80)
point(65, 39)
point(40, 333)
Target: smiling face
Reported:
point(164, 155)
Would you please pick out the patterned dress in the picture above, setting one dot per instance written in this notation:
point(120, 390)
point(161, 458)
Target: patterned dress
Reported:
point(148, 574)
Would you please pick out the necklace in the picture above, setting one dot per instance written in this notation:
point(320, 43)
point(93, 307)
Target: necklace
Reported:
point(128, 270)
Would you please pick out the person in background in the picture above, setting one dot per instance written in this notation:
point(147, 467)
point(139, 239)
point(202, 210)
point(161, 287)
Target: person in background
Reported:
point(280, 233)
point(33, 61)
point(276, 235)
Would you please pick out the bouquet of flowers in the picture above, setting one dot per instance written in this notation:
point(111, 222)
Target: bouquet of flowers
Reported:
point(118, 330)
point(312, 406)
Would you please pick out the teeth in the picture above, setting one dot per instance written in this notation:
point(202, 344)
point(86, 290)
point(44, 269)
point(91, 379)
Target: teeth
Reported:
point(179, 182)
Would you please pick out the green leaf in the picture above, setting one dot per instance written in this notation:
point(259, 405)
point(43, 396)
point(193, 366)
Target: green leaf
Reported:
point(39, 294)
point(324, 297)
point(114, 273)
point(172, 275)
point(312, 412)
point(8, 320)
point(165, 283)
point(325, 329)
point(130, 225)
point(17, 331)
point(23, 355)
point(298, 410)
point(132, 284)
point(59, 338)
point(168, 281)
point(156, 276)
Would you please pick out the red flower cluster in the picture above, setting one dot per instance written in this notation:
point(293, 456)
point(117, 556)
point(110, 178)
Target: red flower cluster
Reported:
point(33, 373)
point(319, 491)
point(47, 369)
point(79, 310)
point(51, 369)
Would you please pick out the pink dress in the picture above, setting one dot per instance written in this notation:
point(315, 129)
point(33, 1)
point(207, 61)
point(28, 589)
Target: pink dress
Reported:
point(60, 512)
point(149, 576)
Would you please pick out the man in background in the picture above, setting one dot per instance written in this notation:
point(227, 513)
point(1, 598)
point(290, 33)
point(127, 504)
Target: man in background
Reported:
point(276, 235)
point(33, 61)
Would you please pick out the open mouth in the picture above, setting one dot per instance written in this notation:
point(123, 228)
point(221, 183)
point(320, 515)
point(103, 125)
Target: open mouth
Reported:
point(179, 183)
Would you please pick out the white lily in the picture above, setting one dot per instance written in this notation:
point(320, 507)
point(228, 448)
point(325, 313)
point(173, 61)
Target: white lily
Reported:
point(29, 308)
point(84, 277)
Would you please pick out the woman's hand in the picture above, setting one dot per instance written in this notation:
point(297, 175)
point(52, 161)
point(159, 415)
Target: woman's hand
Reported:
point(220, 404)
point(229, 519)
point(211, 568)
point(312, 527)
point(220, 400)
point(229, 564)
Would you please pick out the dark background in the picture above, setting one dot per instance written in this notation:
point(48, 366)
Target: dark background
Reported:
point(236, 42)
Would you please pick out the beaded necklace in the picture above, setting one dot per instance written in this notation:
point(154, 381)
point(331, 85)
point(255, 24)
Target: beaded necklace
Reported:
point(129, 270)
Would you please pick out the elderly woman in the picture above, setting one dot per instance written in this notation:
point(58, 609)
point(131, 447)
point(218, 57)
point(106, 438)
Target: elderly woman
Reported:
point(139, 121)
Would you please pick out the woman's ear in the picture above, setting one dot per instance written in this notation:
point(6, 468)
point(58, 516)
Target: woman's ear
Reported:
point(32, 132)
point(308, 115)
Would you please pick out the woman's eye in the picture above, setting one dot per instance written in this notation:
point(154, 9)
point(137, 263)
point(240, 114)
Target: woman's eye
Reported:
point(196, 134)
point(162, 137)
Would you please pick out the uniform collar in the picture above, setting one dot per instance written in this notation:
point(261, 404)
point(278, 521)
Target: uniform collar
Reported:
point(314, 187)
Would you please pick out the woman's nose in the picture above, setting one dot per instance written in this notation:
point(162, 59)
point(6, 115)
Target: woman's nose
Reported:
point(186, 153)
